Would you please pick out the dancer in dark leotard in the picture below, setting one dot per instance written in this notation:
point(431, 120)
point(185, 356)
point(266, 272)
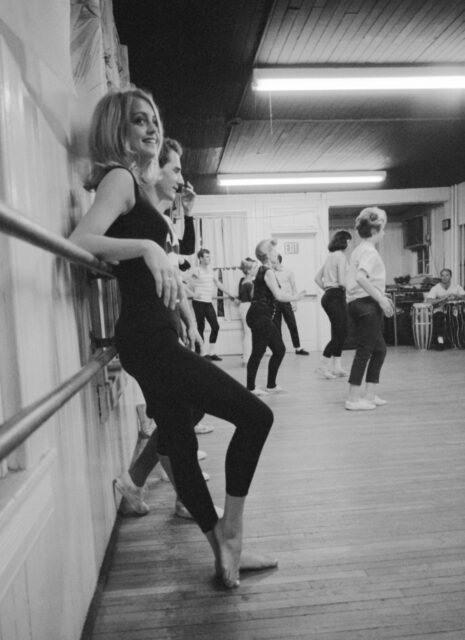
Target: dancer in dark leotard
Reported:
point(265, 333)
point(125, 226)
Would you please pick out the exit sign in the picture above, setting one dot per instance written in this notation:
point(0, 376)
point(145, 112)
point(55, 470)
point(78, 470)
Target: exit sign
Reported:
point(291, 248)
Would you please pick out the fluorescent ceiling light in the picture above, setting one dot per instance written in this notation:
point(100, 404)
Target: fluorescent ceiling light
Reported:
point(285, 179)
point(359, 79)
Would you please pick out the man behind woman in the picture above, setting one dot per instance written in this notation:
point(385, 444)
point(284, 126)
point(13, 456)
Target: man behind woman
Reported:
point(125, 226)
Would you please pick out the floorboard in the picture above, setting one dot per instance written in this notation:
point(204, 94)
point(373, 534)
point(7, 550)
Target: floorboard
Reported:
point(364, 510)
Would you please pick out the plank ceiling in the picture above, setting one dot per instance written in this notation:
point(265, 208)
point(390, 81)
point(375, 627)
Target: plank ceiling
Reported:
point(197, 56)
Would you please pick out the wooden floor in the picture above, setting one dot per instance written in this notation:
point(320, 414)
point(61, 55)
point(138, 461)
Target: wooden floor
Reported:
point(365, 512)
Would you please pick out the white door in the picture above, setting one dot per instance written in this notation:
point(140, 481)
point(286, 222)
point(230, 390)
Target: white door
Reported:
point(299, 254)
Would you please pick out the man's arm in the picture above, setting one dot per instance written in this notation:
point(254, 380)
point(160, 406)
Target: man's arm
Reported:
point(219, 286)
point(434, 298)
point(292, 283)
point(187, 242)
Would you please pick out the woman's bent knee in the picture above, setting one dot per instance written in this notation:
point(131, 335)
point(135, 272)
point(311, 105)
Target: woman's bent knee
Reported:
point(266, 417)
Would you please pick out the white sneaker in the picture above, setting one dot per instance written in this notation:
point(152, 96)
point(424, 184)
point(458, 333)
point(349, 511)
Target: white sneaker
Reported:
point(276, 389)
point(340, 373)
point(359, 405)
point(259, 392)
point(377, 401)
point(201, 429)
point(133, 494)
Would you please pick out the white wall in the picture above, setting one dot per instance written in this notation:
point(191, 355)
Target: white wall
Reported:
point(301, 215)
point(56, 503)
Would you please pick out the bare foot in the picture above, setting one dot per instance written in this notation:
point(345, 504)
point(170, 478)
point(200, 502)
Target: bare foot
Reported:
point(229, 545)
point(256, 562)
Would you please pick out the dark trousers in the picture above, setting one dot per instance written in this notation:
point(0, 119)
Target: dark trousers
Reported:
point(179, 387)
point(439, 329)
point(284, 310)
point(206, 311)
point(264, 334)
point(367, 317)
point(334, 303)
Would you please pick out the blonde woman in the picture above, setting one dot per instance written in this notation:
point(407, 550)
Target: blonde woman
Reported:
point(125, 226)
point(265, 333)
point(368, 305)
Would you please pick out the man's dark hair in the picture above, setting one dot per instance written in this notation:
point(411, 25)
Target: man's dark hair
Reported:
point(202, 252)
point(169, 144)
point(339, 241)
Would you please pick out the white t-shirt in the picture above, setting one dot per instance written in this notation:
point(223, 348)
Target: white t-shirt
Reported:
point(367, 258)
point(438, 291)
point(202, 283)
point(285, 277)
point(335, 264)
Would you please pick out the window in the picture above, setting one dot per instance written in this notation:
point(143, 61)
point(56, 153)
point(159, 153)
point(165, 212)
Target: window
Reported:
point(422, 259)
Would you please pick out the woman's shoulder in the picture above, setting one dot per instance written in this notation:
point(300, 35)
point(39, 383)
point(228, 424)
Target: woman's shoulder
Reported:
point(119, 177)
point(118, 185)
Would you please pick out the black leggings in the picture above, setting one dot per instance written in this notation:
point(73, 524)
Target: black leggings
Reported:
point(335, 305)
point(179, 387)
point(367, 317)
point(205, 310)
point(285, 310)
point(264, 334)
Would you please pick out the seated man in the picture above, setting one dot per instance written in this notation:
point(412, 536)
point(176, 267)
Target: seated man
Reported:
point(440, 294)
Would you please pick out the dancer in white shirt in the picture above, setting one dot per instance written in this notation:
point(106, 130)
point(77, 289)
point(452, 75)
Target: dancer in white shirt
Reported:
point(331, 277)
point(202, 284)
point(367, 300)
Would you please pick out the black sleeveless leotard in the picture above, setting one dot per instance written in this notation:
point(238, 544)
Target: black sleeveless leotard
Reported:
point(178, 385)
point(143, 314)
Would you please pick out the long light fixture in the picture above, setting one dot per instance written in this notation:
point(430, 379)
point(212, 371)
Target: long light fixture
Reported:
point(295, 179)
point(359, 79)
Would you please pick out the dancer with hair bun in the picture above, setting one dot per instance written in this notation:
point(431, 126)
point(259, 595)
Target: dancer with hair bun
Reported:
point(368, 303)
point(265, 333)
